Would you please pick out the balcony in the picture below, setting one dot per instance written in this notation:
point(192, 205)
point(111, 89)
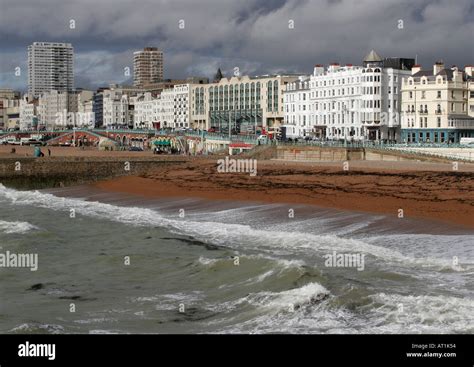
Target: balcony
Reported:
point(438, 112)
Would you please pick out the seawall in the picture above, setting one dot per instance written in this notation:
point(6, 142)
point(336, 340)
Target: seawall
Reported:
point(334, 154)
point(39, 173)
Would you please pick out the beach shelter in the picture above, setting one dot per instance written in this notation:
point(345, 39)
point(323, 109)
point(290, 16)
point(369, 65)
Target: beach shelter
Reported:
point(107, 144)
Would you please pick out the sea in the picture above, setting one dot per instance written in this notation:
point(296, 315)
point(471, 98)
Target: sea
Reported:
point(115, 263)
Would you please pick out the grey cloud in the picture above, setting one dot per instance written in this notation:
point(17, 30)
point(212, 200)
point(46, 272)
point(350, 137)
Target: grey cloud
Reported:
point(252, 35)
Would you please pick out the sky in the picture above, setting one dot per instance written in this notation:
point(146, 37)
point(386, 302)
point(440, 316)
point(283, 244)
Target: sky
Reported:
point(256, 36)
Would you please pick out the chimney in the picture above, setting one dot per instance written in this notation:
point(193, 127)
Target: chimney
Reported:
point(334, 66)
point(469, 70)
point(318, 69)
point(415, 69)
point(437, 67)
point(457, 75)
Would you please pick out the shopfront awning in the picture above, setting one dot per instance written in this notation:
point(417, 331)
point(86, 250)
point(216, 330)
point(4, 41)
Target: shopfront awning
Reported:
point(162, 142)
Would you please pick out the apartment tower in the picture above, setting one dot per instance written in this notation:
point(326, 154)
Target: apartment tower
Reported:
point(147, 66)
point(50, 67)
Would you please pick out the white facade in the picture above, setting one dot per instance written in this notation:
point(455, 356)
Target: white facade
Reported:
point(469, 70)
point(85, 114)
point(85, 109)
point(50, 67)
point(27, 114)
point(297, 108)
point(148, 110)
point(356, 102)
point(53, 108)
point(116, 109)
point(176, 107)
point(435, 103)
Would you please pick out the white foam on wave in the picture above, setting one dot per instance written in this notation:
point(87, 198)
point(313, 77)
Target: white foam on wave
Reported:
point(208, 262)
point(289, 299)
point(16, 227)
point(423, 314)
point(224, 234)
point(31, 327)
point(384, 315)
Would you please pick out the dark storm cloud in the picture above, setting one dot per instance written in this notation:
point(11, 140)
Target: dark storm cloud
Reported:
point(250, 34)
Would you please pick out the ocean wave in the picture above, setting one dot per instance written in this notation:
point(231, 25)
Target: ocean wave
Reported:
point(221, 234)
point(290, 300)
point(309, 309)
point(16, 227)
point(397, 313)
point(38, 328)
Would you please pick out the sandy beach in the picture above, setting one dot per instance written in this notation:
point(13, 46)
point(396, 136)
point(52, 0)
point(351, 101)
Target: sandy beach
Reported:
point(422, 190)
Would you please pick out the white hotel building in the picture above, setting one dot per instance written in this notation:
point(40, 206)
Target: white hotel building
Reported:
point(436, 105)
point(116, 109)
point(297, 108)
point(171, 109)
point(147, 111)
point(27, 113)
point(177, 106)
point(350, 102)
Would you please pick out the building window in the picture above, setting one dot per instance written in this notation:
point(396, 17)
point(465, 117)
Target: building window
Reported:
point(439, 94)
point(438, 122)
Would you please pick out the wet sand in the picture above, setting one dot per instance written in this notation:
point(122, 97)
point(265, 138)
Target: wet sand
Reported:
point(421, 190)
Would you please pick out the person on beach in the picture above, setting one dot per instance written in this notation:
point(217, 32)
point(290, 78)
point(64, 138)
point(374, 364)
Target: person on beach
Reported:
point(49, 152)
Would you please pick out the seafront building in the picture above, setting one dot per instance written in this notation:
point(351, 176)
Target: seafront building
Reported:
point(12, 114)
point(199, 106)
point(85, 109)
point(436, 105)
point(50, 67)
point(383, 100)
point(49, 105)
point(7, 99)
point(469, 71)
point(116, 109)
point(297, 108)
point(176, 107)
point(244, 103)
point(147, 66)
point(355, 103)
point(148, 111)
point(28, 118)
point(171, 109)
point(59, 109)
